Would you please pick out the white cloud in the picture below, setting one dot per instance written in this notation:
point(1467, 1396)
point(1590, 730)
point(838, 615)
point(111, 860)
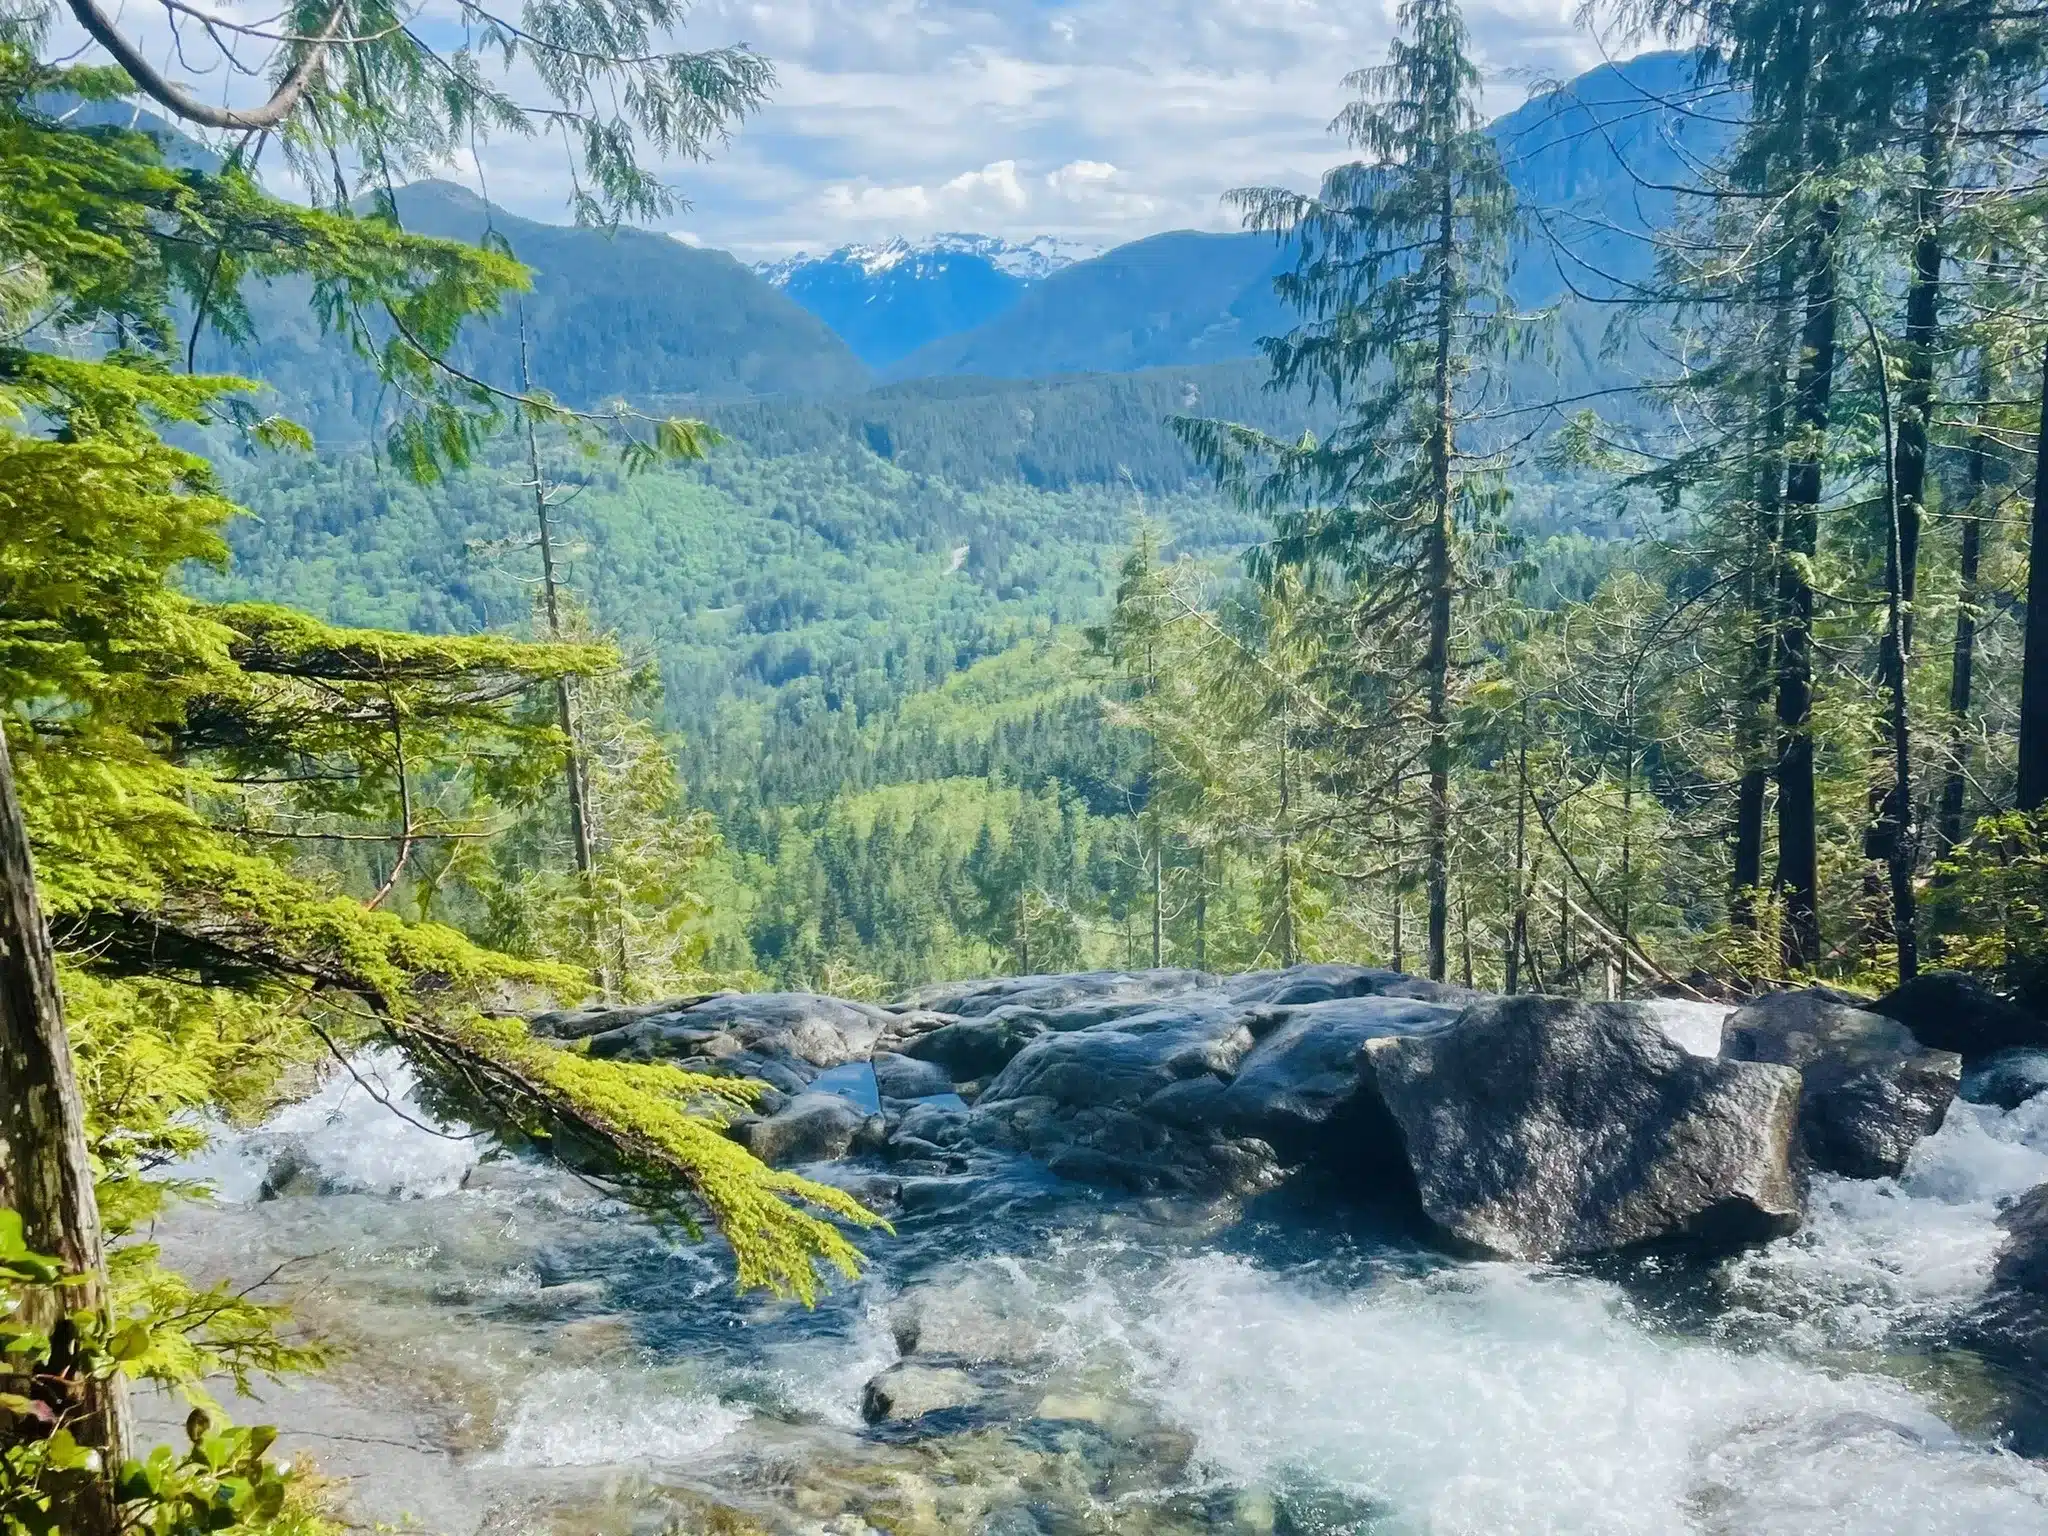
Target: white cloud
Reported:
point(1099, 120)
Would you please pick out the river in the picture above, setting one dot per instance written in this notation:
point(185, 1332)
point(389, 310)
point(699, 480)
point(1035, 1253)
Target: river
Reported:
point(524, 1355)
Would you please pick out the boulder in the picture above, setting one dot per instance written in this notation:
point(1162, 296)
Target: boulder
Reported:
point(1125, 1061)
point(811, 1128)
point(1946, 1011)
point(598, 1018)
point(906, 1077)
point(1540, 1129)
point(974, 1048)
point(1297, 1086)
point(1048, 994)
point(1870, 1090)
point(782, 1038)
point(905, 1391)
point(2012, 1320)
point(2006, 1079)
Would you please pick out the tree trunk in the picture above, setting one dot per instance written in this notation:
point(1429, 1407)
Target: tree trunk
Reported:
point(576, 781)
point(1948, 826)
point(1766, 529)
point(1798, 829)
point(46, 1172)
point(1518, 929)
point(1892, 833)
point(2033, 785)
point(1437, 664)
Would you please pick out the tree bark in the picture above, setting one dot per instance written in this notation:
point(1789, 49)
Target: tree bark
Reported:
point(1948, 826)
point(1798, 829)
point(1437, 664)
point(1892, 834)
point(46, 1171)
point(2033, 784)
point(1766, 529)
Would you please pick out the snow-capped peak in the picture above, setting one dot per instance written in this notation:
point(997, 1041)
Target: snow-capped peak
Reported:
point(1031, 260)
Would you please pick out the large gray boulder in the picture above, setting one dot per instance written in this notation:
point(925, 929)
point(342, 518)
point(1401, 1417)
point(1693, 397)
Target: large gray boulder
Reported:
point(971, 1049)
point(1541, 1129)
point(1081, 1101)
point(1051, 994)
point(1947, 1011)
point(1870, 1090)
point(1298, 1087)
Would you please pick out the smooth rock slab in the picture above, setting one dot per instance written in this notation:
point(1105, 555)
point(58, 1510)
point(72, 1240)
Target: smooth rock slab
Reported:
point(1305, 1070)
point(1541, 1129)
point(811, 1128)
point(1870, 1090)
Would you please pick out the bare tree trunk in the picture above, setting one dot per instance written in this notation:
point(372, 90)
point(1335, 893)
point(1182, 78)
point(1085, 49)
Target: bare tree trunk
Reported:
point(1798, 826)
point(1893, 832)
point(1518, 930)
point(576, 779)
point(2033, 785)
point(1948, 827)
point(1437, 665)
point(46, 1172)
point(1758, 764)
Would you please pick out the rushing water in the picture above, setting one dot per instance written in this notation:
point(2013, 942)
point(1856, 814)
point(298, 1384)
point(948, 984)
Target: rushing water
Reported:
point(525, 1356)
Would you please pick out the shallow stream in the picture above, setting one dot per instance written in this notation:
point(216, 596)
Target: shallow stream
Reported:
point(525, 1356)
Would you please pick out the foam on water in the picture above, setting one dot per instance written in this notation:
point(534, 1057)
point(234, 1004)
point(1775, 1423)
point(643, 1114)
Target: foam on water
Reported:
point(1438, 1399)
point(1492, 1399)
point(349, 1139)
point(1879, 1258)
point(615, 1417)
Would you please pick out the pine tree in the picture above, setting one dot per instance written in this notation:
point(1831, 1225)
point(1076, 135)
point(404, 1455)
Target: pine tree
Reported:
point(1400, 275)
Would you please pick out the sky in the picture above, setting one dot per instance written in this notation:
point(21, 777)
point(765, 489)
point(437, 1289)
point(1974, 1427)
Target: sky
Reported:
point(1099, 121)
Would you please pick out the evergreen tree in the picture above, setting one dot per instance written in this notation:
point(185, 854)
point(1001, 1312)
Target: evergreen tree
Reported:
point(1400, 275)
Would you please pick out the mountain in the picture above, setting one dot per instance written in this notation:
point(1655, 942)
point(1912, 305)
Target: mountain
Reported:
point(627, 313)
point(888, 300)
point(1177, 298)
point(1588, 160)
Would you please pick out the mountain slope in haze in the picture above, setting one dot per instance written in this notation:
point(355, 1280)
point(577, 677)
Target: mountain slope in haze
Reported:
point(623, 314)
point(889, 300)
point(1588, 162)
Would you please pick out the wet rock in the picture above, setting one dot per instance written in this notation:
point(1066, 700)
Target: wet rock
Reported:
point(905, 1391)
point(1125, 1061)
point(1946, 1011)
point(1870, 1091)
point(1050, 994)
point(1692, 1026)
point(811, 1128)
point(975, 1048)
point(906, 1077)
point(2012, 1320)
point(2006, 1078)
point(1537, 1128)
point(1304, 1072)
point(784, 1039)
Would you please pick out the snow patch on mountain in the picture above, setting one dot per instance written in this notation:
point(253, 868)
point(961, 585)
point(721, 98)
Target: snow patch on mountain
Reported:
point(1028, 261)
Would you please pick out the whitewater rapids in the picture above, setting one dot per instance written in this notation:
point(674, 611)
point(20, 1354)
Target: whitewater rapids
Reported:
point(526, 1356)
